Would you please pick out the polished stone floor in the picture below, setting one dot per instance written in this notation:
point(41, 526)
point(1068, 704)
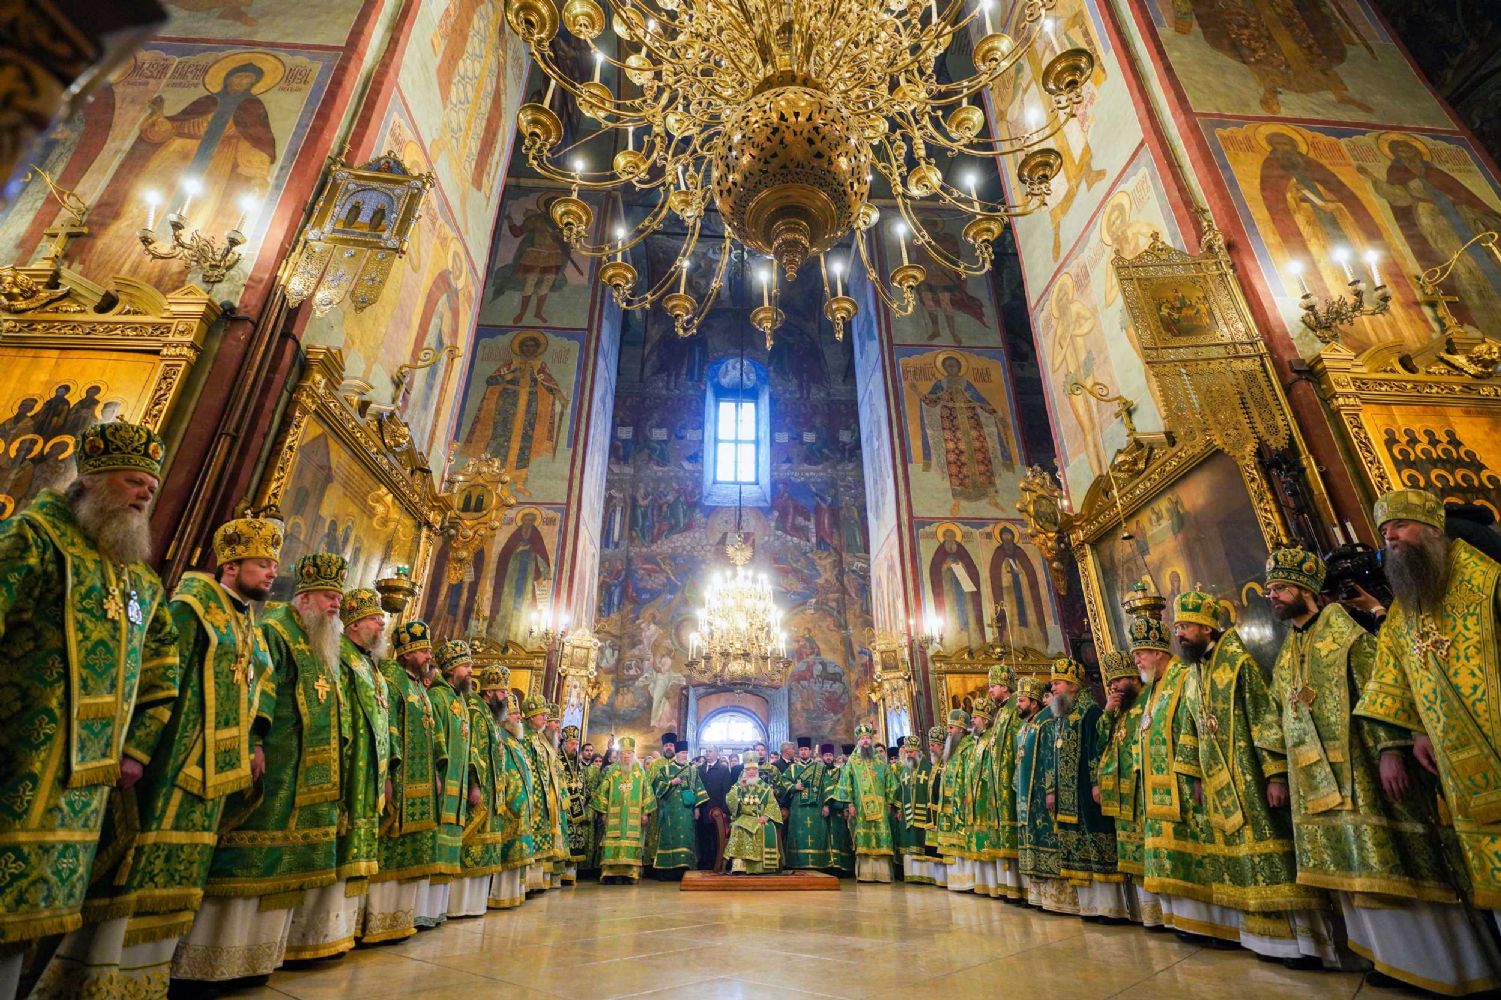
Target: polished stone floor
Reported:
point(871, 942)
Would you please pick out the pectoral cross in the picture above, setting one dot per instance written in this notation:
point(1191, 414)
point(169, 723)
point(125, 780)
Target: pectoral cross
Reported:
point(113, 605)
point(321, 685)
point(240, 669)
point(1429, 641)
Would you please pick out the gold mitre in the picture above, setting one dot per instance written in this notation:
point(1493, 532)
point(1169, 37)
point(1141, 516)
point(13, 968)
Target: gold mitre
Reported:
point(248, 538)
point(120, 445)
point(1296, 566)
point(1410, 505)
point(1197, 607)
point(1118, 665)
point(1067, 669)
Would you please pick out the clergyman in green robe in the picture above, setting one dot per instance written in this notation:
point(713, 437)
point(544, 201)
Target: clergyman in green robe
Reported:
point(277, 839)
point(1363, 826)
point(326, 921)
point(90, 669)
point(457, 794)
point(1245, 789)
point(841, 843)
point(580, 817)
point(803, 783)
point(867, 791)
point(508, 886)
point(624, 798)
point(1039, 856)
point(680, 793)
point(1086, 836)
point(915, 779)
point(409, 826)
point(1117, 784)
point(159, 834)
point(754, 815)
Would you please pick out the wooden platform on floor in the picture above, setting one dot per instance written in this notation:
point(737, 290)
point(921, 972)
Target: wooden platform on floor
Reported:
point(698, 881)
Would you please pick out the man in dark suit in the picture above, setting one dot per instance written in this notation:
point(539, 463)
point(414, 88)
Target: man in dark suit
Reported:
point(713, 817)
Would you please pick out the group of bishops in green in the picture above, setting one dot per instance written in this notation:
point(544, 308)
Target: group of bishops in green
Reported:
point(1337, 808)
point(194, 791)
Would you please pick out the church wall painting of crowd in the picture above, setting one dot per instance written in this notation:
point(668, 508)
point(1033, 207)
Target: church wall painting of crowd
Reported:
point(1199, 532)
point(231, 117)
point(1452, 451)
point(44, 406)
point(1307, 192)
point(659, 541)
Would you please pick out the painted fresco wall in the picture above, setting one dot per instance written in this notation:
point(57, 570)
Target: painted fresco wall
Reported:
point(1315, 133)
point(532, 393)
point(250, 97)
point(659, 541)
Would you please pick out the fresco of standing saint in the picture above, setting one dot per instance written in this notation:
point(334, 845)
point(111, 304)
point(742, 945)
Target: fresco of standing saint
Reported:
point(522, 413)
point(964, 435)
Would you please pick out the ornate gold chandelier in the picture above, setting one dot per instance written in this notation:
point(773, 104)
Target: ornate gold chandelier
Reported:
point(739, 639)
point(777, 112)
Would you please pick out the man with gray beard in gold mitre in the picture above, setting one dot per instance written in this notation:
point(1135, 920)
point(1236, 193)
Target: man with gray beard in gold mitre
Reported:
point(91, 671)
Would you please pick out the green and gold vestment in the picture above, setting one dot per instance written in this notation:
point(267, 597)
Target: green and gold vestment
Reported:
point(1441, 675)
point(91, 668)
point(550, 800)
point(868, 784)
point(1038, 854)
point(624, 798)
point(1240, 741)
point(278, 836)
point(159, 835)
point(1086, 836)
point(517, 848)
point(451, 751)
point(951, 826)
point(580, 819)
point(807, 832)
point(409, 828)
point(753, 843)
point(677, 831)
point(483, 851)
point(1178, 843)
point(1001, 772)
point(1120, 781)
point(365, 729)
point(1349, 836)
point(841, 841)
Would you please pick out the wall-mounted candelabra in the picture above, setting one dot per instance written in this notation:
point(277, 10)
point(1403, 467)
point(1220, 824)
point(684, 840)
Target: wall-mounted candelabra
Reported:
point(1343, 310)
point(198, 251)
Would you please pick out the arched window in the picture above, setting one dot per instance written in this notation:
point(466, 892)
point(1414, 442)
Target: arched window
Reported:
point(733, 728)
point(737, 429)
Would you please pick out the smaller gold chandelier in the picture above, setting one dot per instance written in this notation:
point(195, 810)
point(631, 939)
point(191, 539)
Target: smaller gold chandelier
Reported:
point(739, 639)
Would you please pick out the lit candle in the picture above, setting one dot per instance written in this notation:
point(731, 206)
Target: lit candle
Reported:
point(1296, 267)
point(985, 8)
point(620, 239)
point(970, 179)
point(838, 277)
point(599, 61)
point(901, 239)
point(190, 187)
point(578, 165)
point(683, 278)
point(1371, 257)
point(248, 205)
point(1342, 258)
point(766, 287)
point(153, 199)
point(552, 85)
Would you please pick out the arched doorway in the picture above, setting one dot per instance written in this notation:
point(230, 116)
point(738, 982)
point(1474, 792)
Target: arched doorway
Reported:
point(731, 728)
